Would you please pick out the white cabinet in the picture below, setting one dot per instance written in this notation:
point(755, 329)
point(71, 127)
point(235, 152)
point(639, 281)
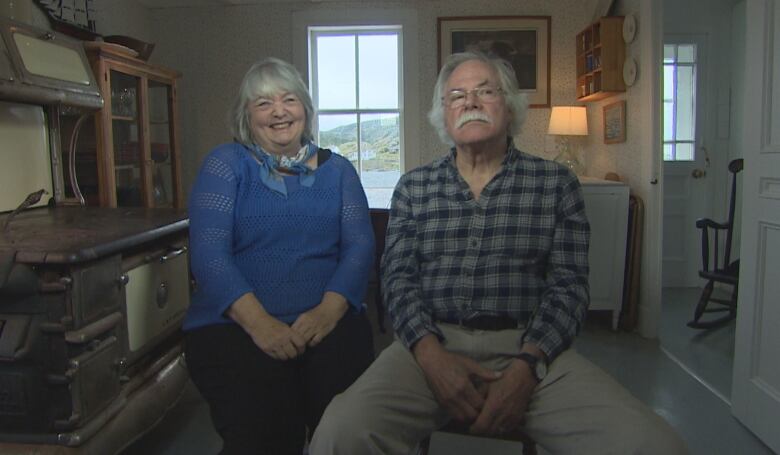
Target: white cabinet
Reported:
point(606, 204)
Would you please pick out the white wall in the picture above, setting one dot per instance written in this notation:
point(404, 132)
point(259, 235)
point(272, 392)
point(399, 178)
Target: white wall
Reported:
point(123, 17)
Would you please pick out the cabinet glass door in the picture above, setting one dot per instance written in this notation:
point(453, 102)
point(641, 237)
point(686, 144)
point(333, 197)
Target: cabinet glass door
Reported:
point(160, 134)
point(128, 151)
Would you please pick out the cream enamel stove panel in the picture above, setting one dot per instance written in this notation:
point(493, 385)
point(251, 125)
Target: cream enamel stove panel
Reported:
point(156, 295)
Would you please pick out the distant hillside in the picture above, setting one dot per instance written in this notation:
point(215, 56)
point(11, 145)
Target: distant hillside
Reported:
point(377, 135)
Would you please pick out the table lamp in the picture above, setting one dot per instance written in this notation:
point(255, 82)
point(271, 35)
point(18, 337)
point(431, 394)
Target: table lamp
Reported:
point(568, 121)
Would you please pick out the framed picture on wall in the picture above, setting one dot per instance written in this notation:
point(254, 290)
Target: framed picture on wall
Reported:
point(523, 41)
point(614, 122)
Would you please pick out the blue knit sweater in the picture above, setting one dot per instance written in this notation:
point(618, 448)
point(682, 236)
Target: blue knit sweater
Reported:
point(288, 251)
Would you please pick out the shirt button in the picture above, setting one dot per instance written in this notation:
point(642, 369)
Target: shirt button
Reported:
point(474, 242)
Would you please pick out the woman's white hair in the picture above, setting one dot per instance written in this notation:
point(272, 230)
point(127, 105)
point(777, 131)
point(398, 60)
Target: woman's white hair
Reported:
point(516, 102)
point(268, 77)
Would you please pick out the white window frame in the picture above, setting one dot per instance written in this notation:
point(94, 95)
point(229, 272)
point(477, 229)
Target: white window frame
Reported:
point(415, 152)
point(676, 64)
point(356, 32)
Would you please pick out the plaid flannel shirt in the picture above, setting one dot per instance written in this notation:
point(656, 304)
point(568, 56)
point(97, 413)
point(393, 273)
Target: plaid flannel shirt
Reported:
point(520, 251)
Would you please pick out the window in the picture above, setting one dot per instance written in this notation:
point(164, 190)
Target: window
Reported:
point(356, 85)
point(679, 102)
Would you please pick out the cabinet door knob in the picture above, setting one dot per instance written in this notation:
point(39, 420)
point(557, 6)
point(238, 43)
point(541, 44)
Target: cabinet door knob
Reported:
point(698, 173)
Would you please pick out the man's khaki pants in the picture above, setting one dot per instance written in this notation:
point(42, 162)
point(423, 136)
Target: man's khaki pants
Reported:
point(576, 409)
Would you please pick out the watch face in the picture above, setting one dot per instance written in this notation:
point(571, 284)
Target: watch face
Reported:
point(541, 369)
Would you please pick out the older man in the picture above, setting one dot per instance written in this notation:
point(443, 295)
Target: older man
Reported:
point(486, 280)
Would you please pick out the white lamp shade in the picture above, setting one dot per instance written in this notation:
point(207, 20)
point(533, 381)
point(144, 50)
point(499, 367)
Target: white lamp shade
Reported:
point(568, 120)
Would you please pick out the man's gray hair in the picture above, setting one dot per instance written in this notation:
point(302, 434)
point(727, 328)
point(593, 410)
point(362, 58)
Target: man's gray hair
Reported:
point(268, 77)
point(516, 102)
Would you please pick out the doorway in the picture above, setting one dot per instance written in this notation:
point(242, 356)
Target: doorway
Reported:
point(701, 135)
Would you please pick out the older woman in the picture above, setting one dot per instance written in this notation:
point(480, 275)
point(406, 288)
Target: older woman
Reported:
point(281, 250)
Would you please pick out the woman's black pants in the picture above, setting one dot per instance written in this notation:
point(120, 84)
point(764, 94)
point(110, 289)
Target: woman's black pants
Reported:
point(260, 405)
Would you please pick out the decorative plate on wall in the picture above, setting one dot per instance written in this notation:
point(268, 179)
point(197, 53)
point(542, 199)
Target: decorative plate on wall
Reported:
point(629, 71)
point(629, 28)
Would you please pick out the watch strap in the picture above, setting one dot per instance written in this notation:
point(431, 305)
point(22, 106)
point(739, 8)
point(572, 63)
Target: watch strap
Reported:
point(532, 361)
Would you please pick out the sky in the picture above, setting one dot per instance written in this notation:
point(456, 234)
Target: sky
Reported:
point(377, 75)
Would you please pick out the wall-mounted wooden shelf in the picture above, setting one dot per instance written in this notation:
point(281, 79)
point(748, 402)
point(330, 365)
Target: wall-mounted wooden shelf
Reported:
point(600, 56)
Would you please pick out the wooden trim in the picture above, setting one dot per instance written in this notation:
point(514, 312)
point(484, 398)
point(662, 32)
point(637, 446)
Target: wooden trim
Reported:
point(127, 60)
point(173, 115)
point(147, 189)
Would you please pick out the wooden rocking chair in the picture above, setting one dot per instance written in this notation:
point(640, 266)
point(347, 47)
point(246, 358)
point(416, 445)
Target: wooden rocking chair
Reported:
point(722, 269)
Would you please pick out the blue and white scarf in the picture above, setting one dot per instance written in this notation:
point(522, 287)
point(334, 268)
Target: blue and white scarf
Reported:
point(270, 165)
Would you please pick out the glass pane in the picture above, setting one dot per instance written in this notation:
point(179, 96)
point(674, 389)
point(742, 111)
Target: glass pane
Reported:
point(669, 53)
point(128, 157)
point(381, 157)
point(686, 53)
point(381, 149)
point(160, 141)
point(684, 151)
point(668, 121)
point(668, 152)
point(124, 93)
point(336, 72)
point(668, 82)
point(378, 83)
point(685, 103)
point(339, 133)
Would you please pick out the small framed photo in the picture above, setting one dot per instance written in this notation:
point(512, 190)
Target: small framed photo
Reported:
point(615, 122)
point(523, 41)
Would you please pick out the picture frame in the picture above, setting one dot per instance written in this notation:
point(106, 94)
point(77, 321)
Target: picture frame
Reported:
point(524, 41)
point(614, 122)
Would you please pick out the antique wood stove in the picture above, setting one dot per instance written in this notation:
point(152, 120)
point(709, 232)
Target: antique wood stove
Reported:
point(91, 299)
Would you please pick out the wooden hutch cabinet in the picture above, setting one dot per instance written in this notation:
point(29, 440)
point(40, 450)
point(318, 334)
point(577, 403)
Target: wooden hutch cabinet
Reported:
point(600, 56)
point(136, 137)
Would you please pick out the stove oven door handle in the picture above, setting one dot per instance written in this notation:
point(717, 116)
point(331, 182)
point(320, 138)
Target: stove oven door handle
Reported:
point(172, 254)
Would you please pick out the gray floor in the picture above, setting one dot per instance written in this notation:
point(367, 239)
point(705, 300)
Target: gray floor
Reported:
point(691, 397)
point(706, 354)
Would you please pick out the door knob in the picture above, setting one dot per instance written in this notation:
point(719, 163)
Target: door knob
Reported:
point(698, 173)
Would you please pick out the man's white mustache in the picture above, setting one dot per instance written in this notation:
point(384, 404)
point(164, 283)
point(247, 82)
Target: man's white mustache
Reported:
point(472, 116)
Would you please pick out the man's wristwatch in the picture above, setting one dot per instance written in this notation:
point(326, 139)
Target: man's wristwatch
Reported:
point(538, 365)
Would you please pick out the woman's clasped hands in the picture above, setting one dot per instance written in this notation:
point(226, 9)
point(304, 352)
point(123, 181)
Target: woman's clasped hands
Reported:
point(284, 342)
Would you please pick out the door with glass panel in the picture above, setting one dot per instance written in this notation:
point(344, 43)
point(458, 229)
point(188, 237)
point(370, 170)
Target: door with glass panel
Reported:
point(686, 157)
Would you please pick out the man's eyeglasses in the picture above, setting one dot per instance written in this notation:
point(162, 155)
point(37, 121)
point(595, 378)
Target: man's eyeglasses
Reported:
point(457, 98)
